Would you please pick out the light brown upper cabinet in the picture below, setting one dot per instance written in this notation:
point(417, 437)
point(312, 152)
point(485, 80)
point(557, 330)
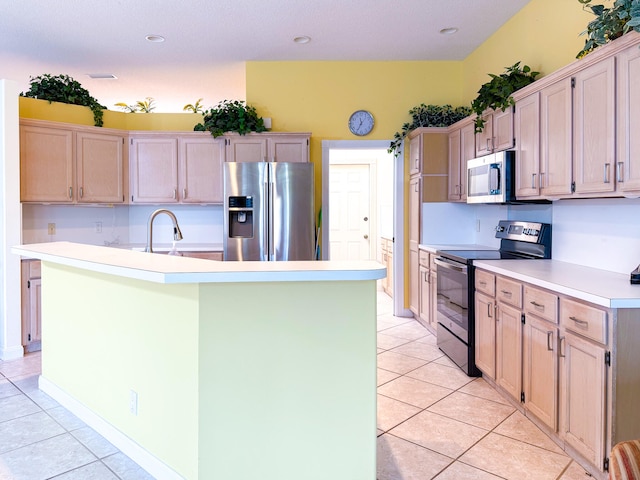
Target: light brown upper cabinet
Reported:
point(497, 134)
point(267, 147)
point(62, 163)
point(176, 168)
point(462, 147)
point(628, 121)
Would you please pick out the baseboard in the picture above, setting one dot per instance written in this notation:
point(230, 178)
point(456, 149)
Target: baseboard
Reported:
point(11, 353)
point(131, 449)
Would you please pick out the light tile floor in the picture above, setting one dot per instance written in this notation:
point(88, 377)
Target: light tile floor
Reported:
point(434, 422)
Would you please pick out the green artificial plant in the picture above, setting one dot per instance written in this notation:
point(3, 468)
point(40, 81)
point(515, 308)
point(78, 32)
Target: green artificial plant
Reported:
point(610, 23)
point(143, 106)
point(428, 116)
point(231, 116)
point(496, 93)
point(194, 107)
point(64, 89)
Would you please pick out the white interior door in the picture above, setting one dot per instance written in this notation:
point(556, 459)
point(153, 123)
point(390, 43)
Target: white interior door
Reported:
point(350, 221)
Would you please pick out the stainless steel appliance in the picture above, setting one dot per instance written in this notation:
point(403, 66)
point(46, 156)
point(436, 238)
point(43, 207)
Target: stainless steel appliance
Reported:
point(490, 178)
point(268, 211)
point(456, 285)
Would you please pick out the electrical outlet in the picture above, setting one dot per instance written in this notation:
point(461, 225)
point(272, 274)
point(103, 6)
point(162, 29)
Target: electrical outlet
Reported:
point(98, 227)
point(133, 402)
point(51, 229)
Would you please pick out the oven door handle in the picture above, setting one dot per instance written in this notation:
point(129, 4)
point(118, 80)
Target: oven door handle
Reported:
point(441, 262)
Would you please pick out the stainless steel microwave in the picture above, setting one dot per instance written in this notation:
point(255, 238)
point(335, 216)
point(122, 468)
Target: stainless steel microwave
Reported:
point(490, 178)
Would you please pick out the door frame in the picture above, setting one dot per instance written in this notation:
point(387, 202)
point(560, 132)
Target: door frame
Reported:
point(398, 211)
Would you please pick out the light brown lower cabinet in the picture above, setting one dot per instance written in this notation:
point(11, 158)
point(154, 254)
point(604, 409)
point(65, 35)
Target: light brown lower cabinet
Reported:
point(30, 297)
point(570, 365)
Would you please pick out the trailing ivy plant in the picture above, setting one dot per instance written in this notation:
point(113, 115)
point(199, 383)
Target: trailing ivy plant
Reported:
point(496, 93)
point(64, 89)
point(231, 116)
point(610, 23)
point(428, 116)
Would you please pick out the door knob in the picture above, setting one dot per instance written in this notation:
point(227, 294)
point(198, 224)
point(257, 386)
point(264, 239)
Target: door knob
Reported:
point(366, 218)
point(366, 236)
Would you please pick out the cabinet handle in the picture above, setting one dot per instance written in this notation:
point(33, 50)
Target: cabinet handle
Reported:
point(483, 283)
point(550, 341)
point(70, 192)
point(81, 192)
point(426, 277)
point(533, 180)
point(506, 293)
point(175, 193)
point(583, 323)
point(415, 188)
point(606, 172)
point(184, 193)
point(488, 147)
point(489, 310)
point(561, 350)
point(619, 174)
point(537, 305)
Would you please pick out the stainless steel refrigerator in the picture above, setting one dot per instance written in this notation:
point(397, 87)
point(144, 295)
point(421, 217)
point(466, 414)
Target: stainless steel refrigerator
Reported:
point(268, 211)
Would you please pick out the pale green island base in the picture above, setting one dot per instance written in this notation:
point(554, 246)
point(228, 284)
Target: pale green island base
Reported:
point(234, 379)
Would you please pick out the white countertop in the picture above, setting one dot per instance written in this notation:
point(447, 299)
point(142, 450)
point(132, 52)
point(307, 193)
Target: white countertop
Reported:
point(463, 246)
point(177, 269)
point(608, 289)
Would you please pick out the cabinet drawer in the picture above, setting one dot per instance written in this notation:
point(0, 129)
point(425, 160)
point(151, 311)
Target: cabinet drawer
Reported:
point(424, 258)
point(585, 320)
point(35, 267)
point(541, 303)
point(509, 291)
point(486, 282)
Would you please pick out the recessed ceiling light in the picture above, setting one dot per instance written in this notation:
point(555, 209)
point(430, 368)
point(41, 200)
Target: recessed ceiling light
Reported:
point(107, 76)
point(302, 39)
point(448, 31)
point(155, 38)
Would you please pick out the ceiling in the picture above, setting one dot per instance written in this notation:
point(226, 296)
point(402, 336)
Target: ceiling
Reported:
point(208, 41)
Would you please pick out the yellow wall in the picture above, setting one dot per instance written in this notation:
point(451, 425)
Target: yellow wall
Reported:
point(545, 35)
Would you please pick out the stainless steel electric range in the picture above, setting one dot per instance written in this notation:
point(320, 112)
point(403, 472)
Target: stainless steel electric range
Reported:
point(456, 285)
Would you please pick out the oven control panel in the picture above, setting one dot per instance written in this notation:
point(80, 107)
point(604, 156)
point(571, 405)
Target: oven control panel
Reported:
point(532, 232)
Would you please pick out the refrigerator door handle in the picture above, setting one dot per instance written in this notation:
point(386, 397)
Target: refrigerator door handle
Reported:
point(271, 254)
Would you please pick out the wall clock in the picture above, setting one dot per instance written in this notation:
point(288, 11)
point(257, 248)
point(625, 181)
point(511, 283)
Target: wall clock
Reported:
point(361, 122)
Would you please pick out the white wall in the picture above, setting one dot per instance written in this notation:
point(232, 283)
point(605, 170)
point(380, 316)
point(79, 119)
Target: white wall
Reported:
point(10, 325)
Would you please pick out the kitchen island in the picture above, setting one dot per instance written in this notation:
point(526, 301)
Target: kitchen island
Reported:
point(199, 369)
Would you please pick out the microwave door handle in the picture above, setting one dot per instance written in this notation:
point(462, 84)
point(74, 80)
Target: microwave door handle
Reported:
point(494, 178)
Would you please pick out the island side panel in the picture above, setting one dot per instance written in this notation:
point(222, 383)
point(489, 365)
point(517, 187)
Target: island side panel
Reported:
point(288, 381)
point(105, 335)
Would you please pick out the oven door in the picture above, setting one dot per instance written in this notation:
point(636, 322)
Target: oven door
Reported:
point(453, 297)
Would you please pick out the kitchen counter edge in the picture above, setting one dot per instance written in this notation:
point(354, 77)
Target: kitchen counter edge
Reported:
point(177, 269)
point(601, 287)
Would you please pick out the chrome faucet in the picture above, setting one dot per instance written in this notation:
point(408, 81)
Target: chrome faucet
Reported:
point(177, 234)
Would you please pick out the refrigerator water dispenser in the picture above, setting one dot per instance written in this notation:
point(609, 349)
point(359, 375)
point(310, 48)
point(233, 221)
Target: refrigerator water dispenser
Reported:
point(241, 217)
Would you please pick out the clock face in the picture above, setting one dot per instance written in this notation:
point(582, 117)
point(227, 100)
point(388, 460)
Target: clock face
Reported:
point(361, 122)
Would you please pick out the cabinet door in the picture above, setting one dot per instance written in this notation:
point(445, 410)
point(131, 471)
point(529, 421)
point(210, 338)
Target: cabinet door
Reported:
point(555, 139)
point(509, 349)
point(425, 298)
point(484, 139)
point(100, 168)
point(46, 165)
point(485, 348)
point(433, 298)
point(540, 367)
point(289, 148)
point(201, 174)
point(467, 152)
point(594, 128)
point(527, 130)
point(246, 148)
point(502, 129)
point(154, 170)
point(628, 107)
point(584, 393)
point(455, 166)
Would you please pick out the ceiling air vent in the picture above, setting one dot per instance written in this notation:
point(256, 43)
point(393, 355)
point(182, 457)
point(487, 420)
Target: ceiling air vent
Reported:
point(109, 76)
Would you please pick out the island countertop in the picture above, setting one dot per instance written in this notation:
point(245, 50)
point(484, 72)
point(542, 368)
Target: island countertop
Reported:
point(178, 269)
